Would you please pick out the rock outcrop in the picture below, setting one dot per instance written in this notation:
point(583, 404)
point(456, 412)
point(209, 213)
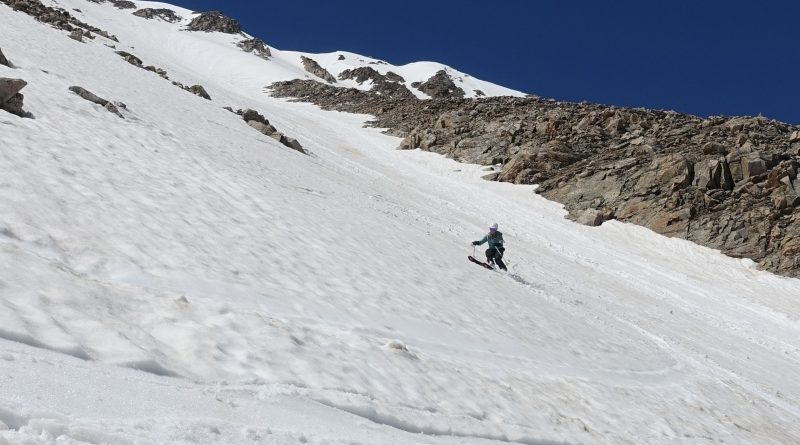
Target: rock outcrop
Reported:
point(440, 86)
point(137, 62)
point(164, 14)
point(91, 97)
point(388, 85)
point(314, 68)
point(198, 90)
point(256, 46)
point(214, 21)
point(56, 17)
point(11, 100)
point(123, 4)
point(130, 58)
point(262, 125)
point(726, 183)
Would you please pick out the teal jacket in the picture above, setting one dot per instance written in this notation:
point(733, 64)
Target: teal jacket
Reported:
point(495, 240)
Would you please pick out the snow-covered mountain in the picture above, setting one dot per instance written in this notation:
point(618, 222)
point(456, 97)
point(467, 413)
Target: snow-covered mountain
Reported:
point(170, 274)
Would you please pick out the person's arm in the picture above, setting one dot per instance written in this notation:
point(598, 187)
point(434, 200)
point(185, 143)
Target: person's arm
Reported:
point(483, 240)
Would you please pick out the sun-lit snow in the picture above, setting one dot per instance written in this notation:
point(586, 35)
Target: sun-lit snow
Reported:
point(176, 277)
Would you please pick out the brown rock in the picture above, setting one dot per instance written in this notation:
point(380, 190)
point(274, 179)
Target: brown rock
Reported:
point(591, 217)
point(753, 165)
point(10, 87)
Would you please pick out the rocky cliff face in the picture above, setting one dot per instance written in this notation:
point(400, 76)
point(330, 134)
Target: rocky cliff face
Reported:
point(727, 183)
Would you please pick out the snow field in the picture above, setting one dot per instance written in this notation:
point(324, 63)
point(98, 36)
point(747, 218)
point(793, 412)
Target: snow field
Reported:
point(176, 277)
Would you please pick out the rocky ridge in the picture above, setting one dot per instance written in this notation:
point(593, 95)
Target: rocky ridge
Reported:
point(729, 183)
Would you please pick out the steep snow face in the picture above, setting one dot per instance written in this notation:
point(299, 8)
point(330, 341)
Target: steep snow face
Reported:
point(177, 277)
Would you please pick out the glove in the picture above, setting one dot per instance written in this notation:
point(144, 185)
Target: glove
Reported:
point(475, 243)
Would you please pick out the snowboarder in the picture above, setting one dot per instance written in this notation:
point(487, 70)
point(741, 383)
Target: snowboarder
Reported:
point(494, 254)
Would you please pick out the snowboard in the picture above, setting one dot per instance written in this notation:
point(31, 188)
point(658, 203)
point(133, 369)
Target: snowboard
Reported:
point(480, 263)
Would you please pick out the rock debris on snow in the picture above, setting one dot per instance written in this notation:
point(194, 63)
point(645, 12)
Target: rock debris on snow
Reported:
point(91, 97)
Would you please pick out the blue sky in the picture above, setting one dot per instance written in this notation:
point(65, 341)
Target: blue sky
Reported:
point(701, 57)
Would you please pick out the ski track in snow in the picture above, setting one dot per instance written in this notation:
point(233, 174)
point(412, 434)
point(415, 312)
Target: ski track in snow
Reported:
point(176, 277)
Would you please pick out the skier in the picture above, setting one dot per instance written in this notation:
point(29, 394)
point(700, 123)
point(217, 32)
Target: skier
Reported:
point(494, 254)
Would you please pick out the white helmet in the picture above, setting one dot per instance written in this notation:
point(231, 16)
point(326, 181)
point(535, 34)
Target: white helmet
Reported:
point(493, 227)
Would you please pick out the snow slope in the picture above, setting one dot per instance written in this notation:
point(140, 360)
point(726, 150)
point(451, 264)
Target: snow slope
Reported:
point(176, 277)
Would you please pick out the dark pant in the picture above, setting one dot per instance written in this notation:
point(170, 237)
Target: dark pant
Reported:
point(495, 255)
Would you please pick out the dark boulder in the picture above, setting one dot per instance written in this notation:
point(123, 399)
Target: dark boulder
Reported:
point(198, 90)
point(124, 4)
point(11, 100)
point(440, 86)
point(164, 14)
point(214, 21)
point(256, 46)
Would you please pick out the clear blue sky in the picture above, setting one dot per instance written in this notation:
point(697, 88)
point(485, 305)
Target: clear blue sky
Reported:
point(704, 57)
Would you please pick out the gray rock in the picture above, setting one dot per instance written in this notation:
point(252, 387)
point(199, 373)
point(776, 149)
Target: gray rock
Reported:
point(264, 128)
point(198, 90)
point(3, 60)
point(256, 46)
point(124, 4)
point(591, 217)
point(294, 144)
point(130, 58)
point(76, 35)
point(164, 14)
point(214, 21)
point(91, 97)
point(394, 77)
point(314, 68)
point(341, 57)
point(440, 86)
point(362, 74)
point(753, 165)
point(252, 115)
